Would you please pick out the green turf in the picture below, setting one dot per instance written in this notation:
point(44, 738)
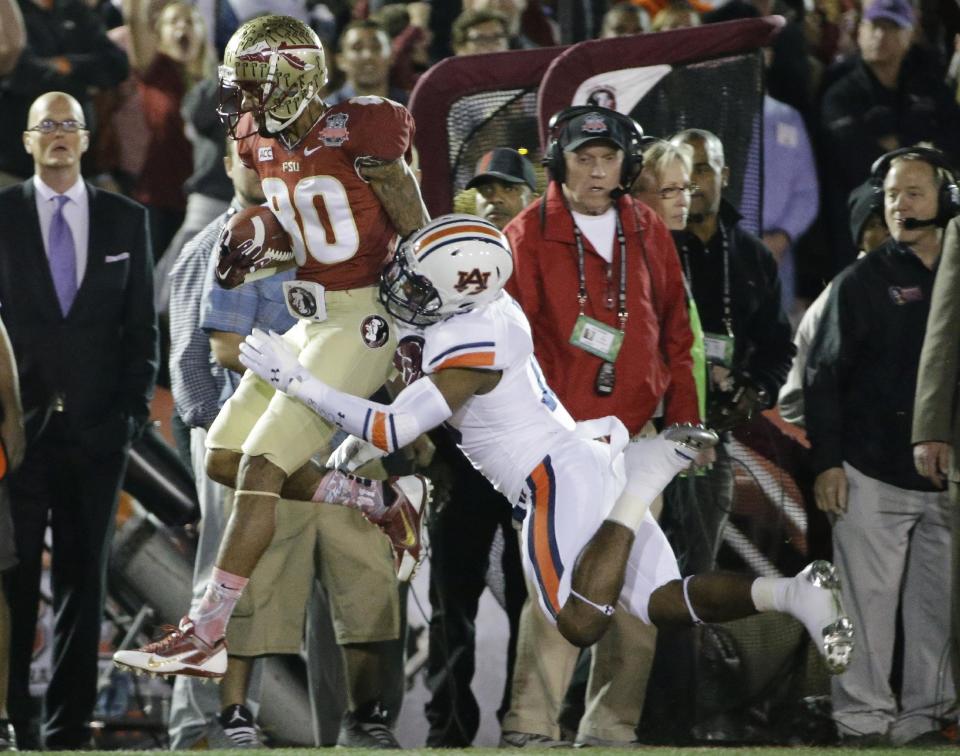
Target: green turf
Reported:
point(656, 750)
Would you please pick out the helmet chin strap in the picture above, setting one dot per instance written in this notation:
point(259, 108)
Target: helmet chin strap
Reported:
point(275, 126)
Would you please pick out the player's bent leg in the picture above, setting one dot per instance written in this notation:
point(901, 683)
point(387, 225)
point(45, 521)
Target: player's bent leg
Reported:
point(197, 646)
point(598, 576)
point(707, 598)
point(396, 506)
point(222, 466)
point(251, 524)
point(812, 596)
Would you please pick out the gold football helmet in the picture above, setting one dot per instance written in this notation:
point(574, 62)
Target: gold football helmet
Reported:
point(272, 68)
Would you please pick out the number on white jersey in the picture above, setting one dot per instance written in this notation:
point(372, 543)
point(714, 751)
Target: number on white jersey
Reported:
point(317, 217)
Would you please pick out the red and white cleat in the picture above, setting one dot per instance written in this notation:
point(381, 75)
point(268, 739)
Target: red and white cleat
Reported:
point(403, 522)
point(179, 651)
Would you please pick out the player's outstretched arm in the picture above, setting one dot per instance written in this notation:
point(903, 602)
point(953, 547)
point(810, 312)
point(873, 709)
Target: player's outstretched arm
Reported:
point(422, 405)
point(397, 189)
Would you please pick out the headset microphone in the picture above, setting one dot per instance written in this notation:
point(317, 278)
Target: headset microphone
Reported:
point(911, 223)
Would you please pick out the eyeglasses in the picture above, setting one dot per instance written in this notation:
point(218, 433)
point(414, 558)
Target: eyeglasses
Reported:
point(670, 192)
point(486, 39)
point(48, 126)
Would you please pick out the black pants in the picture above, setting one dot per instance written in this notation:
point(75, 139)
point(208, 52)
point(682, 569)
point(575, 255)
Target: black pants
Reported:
point(461, 534)
point(75, 491)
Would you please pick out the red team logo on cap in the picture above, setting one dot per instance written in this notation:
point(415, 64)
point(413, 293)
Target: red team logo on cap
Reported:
point(594, 124)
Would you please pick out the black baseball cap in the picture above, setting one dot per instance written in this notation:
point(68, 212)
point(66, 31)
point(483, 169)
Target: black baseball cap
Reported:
point(588, 127)
point(504, 164)
point(863, 202)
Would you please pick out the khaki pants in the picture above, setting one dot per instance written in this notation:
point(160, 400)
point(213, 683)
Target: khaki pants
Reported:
point(618, 672)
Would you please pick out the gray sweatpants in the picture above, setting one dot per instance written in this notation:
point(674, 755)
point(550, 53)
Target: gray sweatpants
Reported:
point(892, 547)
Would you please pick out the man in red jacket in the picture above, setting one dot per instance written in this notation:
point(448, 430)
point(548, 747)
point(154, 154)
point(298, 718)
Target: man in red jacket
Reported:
point(598, 276)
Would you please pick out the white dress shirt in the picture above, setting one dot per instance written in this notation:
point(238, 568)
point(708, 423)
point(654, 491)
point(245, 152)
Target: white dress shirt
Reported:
point(76, 213)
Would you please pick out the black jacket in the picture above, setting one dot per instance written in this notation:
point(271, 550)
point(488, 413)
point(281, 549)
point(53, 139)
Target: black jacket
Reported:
point(861, 373)
point(763, 345)
point(857, 111)
point(102, 358)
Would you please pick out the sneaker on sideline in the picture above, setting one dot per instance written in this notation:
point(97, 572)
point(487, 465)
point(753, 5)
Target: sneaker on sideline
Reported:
point(516, 739)
point(368, 727)
point(239, 727)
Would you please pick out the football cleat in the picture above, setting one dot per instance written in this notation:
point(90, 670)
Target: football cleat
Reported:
point(179, 651)
point(689, 439)
point(813, 597)
point(403, 522)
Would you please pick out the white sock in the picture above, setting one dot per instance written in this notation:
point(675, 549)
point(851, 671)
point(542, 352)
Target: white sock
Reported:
point(770, 594)
point(629, 510)
point(650, 466)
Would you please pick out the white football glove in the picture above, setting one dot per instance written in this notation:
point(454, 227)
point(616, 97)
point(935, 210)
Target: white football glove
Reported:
point(353, 453)
point(270, 357)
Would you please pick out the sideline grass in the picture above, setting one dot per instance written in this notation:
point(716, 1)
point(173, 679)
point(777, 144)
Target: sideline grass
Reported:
point(653, 750)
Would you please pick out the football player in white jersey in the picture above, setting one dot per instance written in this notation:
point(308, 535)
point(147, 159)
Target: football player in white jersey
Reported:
point(589, 540)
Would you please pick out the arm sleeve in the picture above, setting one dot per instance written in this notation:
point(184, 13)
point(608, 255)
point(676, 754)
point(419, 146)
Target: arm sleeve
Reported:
point(803, 205)
point(524, 284)
point(139, 333)
point(233, 310)
point(769, 332)
point(196, 392)
point(829, 362)
point(935, 403)
point(676, 338)
point(791, 394)
point(379, 128)
point(417, 409)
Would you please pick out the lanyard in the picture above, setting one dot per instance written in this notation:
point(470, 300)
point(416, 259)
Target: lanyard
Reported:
point(727, 299)
point(582, 295)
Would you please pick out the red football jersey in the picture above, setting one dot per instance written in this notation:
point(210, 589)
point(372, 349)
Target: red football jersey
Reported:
point(339, 229)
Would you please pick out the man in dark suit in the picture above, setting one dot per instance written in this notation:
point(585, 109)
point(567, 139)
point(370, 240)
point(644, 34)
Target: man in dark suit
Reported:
point(77, 296)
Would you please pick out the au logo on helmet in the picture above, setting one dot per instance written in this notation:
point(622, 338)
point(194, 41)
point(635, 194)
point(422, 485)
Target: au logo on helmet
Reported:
point(473, 278)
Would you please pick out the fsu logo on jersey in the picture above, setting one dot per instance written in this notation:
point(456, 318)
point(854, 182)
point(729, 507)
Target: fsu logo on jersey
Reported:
point(334, 133)
point(374, 331)
point(474, 278)
point(301, 301)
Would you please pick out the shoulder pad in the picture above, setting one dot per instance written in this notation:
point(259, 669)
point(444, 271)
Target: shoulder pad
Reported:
point(463, 341)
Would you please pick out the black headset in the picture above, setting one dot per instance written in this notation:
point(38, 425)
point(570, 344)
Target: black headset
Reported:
point(553, 159)
point(948, 199)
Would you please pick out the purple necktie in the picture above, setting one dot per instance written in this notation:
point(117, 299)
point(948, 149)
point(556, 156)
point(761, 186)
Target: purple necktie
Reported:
point(63, 257)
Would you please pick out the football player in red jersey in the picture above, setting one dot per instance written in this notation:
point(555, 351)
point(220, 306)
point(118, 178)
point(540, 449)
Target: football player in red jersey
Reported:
point(337, 180)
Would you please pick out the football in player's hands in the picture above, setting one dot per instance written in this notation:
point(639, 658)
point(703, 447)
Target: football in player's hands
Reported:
point(270, 357)
point(252, 245)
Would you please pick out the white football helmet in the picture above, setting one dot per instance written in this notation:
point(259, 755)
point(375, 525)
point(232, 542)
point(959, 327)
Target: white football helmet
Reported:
point(453, 264)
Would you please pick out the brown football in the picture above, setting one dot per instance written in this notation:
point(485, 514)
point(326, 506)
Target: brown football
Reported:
point(252, 245)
